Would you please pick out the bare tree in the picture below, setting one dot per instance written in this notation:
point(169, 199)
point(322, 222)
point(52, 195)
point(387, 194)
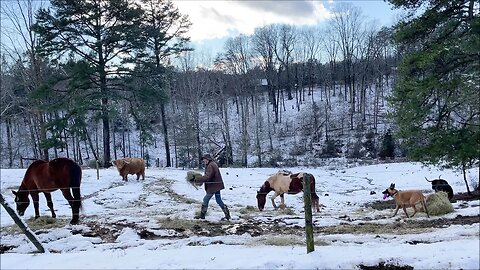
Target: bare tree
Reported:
point(347, 22)
point(264, 44)
point(287, 35)
point(22, 47)
point(332, 49)
point(311, 42)
point(237, 61)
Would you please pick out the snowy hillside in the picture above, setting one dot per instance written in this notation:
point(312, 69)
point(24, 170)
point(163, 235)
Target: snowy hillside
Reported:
point(298, 139)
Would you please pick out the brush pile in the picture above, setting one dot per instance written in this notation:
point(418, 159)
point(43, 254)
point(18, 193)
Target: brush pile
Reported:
point(438, 204)
point(192, 176)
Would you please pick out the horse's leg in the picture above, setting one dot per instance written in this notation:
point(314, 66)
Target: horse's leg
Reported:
point(316, 202)
point(75, 209)
point(282, 201)
point(273, 199)
point(35, 199)
point(48, 196)
point(315, 205)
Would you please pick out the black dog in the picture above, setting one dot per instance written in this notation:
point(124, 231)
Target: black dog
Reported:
point(442, 185)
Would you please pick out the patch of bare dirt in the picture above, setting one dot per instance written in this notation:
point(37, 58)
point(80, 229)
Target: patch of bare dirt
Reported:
point(385, 266)
point(4, 248)
point(186, 228)
point(405, 227)
point(464, 196)
point(180, 229)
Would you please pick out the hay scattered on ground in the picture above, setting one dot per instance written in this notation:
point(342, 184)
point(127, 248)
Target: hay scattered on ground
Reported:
point(438, 204)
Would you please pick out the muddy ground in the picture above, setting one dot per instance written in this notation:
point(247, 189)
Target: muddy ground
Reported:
point(247, 223)
point(274, 225)
point(254, 227)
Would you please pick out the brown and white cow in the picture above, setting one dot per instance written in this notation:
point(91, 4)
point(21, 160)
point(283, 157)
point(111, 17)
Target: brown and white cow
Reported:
point(128, 166)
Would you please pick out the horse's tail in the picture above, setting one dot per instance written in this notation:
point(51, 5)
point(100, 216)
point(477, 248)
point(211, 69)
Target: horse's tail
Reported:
point(75, 181)
point(314, 196)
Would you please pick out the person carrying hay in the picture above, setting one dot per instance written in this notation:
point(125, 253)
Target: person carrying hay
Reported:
point(213, 184)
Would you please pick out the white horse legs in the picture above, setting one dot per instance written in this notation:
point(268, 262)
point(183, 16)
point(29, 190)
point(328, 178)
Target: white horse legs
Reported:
point(282, 200)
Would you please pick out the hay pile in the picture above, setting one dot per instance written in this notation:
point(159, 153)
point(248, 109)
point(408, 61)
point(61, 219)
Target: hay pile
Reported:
point(192, 176)
point(438, 204)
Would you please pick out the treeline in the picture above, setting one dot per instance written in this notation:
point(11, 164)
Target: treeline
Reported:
point(106, 79)
point(91, 83)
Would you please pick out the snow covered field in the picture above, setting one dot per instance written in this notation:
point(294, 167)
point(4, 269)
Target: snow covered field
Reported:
point(149, 224)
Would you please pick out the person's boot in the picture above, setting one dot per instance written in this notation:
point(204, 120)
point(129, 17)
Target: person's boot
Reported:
point(226, 212)
point(203, 212)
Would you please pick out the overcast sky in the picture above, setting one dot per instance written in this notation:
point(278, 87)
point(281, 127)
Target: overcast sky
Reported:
point(214, 21)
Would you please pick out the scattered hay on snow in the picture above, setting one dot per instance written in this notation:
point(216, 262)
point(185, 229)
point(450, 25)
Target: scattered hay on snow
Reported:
point(192, 177)
point(438, 204)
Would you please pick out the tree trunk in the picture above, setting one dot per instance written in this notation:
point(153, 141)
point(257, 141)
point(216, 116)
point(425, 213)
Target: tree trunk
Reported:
point(258, 131)
point(464, 169)
point(9, 142)
point(165, 135)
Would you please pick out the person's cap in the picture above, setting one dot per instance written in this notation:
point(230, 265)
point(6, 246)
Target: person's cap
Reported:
point(207, 157)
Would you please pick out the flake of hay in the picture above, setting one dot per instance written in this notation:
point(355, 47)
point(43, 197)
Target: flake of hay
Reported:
point(438, 204)
point(196, 176)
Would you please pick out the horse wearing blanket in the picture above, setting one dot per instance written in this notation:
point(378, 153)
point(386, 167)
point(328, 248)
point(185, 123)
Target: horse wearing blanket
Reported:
point(285, 182)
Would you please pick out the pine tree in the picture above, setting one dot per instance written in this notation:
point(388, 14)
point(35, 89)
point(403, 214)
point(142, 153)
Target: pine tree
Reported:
point(166, 31)
point(388, 146)
point(436, 98)
point(102, 33)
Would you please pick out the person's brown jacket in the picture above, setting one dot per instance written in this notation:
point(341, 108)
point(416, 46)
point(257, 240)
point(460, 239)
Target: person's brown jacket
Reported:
point(212, 178)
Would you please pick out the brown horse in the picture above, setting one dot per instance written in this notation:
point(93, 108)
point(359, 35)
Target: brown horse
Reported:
point(48, 176)
point(285, 182)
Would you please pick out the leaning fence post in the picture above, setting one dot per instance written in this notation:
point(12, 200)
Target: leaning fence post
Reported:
point(307, 198)
point(22, 226)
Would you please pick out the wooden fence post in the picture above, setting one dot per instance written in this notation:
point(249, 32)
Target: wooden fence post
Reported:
point(22, 226)
point(97, 164)
point(307, 198)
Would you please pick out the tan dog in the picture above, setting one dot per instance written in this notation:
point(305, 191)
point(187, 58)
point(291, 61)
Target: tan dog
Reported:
point(406, 199)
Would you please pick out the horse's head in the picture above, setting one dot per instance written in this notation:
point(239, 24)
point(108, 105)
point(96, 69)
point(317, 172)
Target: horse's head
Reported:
point(21, 200)
point(262, 195)
point(261, 199)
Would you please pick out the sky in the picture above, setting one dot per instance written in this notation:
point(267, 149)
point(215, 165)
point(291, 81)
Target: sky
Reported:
point(128, 208)
point(215, 21)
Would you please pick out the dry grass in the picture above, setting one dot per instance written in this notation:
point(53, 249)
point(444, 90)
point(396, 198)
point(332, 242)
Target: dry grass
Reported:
point(292, 240)
point(41, 223)
point(247, 210)
point(438, 204)
point(191, 178)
